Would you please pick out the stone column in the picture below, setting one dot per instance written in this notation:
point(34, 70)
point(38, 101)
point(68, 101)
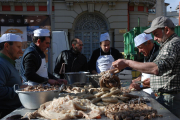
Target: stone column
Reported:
point(12, 6)
point(0, 7)
point(36, 7)
point(24, 6)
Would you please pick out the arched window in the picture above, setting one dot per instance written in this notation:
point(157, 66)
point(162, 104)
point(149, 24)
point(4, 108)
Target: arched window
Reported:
point(88, 28)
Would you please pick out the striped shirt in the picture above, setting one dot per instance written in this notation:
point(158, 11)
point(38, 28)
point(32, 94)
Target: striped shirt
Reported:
point(168, 62)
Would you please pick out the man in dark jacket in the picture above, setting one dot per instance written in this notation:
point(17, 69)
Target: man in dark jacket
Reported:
point(71, 60)
point(33, 65)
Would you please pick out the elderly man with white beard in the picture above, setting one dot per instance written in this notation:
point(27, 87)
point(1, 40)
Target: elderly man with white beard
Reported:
point(165, 69)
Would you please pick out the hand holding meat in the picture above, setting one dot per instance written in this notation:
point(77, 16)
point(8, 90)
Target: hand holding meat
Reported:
point(137, 79)
point(23, 86)
point(135, 86)
point(146, 81)
point(109, 81)
point(120, 64)
point(62, 81)
point(53, 82)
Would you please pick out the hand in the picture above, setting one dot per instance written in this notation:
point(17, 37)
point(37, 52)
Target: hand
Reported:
point(135, 86)
point(120, 64)
point(23, 86)
point(146, 81)
point(94, 72)
point(137, 79)
point(53, 82)
point(62, 81)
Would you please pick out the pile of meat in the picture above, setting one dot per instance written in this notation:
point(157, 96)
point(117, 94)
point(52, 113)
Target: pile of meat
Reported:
point(131, 111)
point(108, 80)
point(65, 108)
point(100, 96)
point(40, 87)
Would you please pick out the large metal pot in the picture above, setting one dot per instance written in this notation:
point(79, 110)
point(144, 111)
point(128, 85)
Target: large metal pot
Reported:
point(73, 77)
point(94, 79)
point(33, 100)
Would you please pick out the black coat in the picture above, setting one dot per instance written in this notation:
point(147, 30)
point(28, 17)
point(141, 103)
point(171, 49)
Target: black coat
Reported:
point(74, 62)
point(31, 62)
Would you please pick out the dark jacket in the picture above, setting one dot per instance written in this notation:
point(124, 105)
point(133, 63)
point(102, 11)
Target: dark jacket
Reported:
point(30, 63)
point(74, 62)
point(96, 53)
point(9, 76)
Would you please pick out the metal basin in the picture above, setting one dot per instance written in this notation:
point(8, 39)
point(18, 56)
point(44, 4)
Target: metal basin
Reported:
point(73, 77)
point(94, 79)
point(33, 100)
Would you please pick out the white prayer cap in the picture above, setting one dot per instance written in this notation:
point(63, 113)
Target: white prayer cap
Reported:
point(41, 32)
point(104, 37)
point(142, 38)
point(9, 37)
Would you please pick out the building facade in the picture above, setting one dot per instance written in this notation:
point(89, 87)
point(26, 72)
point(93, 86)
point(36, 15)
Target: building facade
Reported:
point(174, 16)
point(86, 19)
point(159, 9)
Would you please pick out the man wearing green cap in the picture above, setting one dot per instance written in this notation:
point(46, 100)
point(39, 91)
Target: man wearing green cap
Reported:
point(10, 49)
point(165, 81)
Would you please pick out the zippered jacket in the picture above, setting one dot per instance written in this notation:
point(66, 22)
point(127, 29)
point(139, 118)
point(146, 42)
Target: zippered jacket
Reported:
point(31, 62)
point(74, 62)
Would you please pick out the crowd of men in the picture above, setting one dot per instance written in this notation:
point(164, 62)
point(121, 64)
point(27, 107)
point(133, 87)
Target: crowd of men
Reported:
point(160, 70)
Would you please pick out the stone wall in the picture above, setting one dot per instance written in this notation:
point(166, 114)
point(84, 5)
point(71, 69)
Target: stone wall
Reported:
point(116, 16)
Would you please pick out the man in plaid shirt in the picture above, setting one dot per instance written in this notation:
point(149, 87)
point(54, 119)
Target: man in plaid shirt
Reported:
point(165, 69)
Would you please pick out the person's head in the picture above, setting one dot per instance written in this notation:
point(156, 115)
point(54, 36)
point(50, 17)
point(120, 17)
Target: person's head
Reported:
point(42, 38)
point(144, 43)
point(10, 45)
point(162, 28)
point(105, 42)
point(77, 44)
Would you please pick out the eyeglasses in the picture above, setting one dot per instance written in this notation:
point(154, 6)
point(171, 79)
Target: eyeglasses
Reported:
point(80, 44)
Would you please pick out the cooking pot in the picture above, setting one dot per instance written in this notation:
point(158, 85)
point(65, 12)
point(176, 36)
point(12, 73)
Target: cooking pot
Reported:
point(73, 77)
point(94, 79)
point(33, 100)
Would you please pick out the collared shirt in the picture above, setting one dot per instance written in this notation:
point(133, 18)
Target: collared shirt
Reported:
point(168, 62)
point(7, 58)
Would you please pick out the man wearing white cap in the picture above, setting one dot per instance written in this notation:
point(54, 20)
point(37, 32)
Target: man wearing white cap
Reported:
point(165, 69)
point(144, 42)
point(102, 58)
point(33, 64)
point(10, 49)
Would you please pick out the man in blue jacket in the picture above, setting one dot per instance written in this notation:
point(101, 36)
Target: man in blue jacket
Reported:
point(10, 49)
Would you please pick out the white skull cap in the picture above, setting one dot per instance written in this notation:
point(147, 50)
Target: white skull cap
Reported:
point(9, 37)
point(41, 32)
point(104, 37)
point(142, 38)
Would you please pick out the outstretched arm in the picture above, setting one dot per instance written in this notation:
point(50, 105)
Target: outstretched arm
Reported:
point(148, 67)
